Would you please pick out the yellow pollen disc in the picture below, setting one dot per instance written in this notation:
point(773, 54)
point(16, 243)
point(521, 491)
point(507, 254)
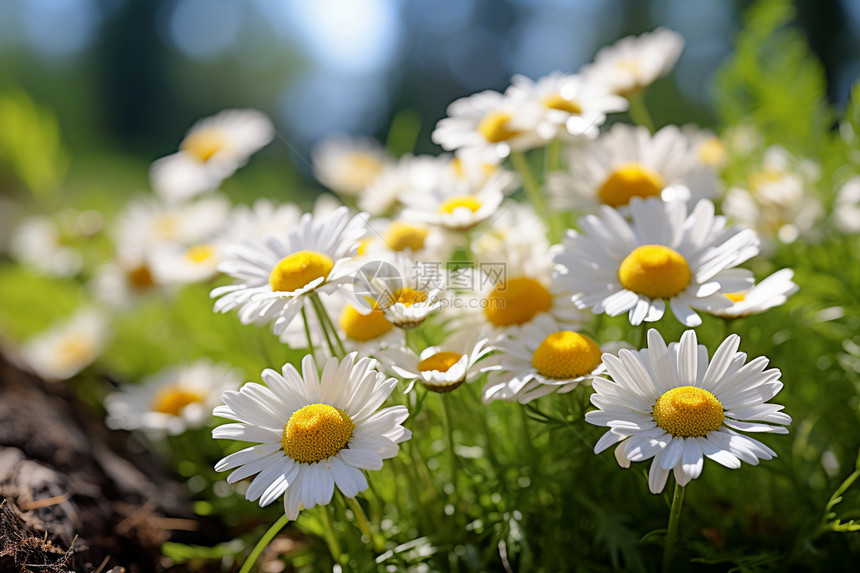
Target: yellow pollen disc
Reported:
point(141, 278)
point(630, 180)
point(470, 202)
point(765, 177)
point(440, 361)
point(316, 432)
point(203, 144)
point(517, 301)
point(362, 246)
point(562, 104)
point(74, 351)
point(363, 327)
point(712, 152)
point(407, 296)
point(166, 226)
point(736, 296)
point(172, 400)
point(566, 354)
point(655, 271)
point(401, 236)
point(200, 253)
point(494, 127)
point(688, 411)
point(298, 269)
point(362, 169)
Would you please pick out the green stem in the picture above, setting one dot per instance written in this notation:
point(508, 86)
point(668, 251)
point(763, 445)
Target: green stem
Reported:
point(319, 309)
point(263, 543)
point(639, 113)
point(533, 192)
point(331, 538)
point(449, 430)
point(364, 524)
point(672, 531)
point(330, 324)
point(311, 348)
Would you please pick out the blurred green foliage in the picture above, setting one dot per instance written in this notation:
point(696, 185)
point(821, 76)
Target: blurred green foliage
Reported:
point(30, 143)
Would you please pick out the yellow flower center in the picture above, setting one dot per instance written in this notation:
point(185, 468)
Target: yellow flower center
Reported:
point(316, 432)
point(764, 178)
point(407, 296)
point(363, 327)
point(200, 253)
point(401, 236)
point(172, 400)
point(736, 296)
point(566, 354)
point(688, 411)
point(630, 180)
point(141, 278)
point(517, 301)
point(362, 169)
point(470, 202)
point(562, 104)
point(655, 271)
point(298, 269)
point(459, 169)
point(166, 226)
point(440, 361)
point(712, 152)
point(203, 144)
point(494, 127)
point(74, 351)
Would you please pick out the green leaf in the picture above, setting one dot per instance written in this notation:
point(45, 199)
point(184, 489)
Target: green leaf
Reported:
point(30, 143)
point(775, 81)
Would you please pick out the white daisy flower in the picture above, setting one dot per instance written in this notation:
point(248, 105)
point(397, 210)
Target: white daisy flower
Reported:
point(420, 240)
point(127, 279)
point(67, 347)
point(569, 107)
point(396, 286)
point(458, 207)
point(778, 201)
point(846, 210)
point(408, 173)
point(173, 400)
point(212, 150)
point(174, 264)
point(440, 368)
point(627, 162)
point(670, 404)
point(311, 432)
point(38, 242)
point(538, 360)
point(275, 276)
point(487, 127)
point(635, 62)
point(262, 219)
point(503, 297)
point(772, 291)
point(516, 236)
point(148, 222)
point(348, 165)
point(613, 266)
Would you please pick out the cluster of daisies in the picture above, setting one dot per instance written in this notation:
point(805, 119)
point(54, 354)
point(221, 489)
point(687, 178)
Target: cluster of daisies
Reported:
point(432, 271)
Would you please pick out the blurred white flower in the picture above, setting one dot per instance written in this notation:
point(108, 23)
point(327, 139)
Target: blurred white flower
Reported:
point(634, 62)
point(172, 400)
point(212, 150)
point(38, 243)
point(67, 347)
